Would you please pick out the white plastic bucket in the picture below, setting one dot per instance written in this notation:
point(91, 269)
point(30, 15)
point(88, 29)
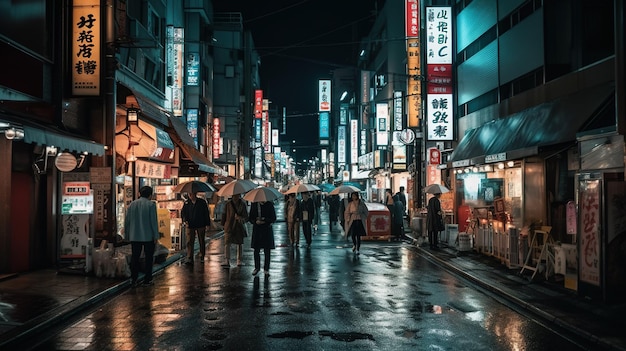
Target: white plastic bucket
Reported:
point(464, 242)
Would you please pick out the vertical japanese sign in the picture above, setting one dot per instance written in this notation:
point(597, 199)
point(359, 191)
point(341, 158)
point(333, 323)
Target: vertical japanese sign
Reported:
point(343, 114)
point(589, 261)
point(354, 141)
point(414, 84)
point(175, 38)
point(86, 38)
point(324, 95)
point(258, 104)
point(365, 98)
point(341, 145)
point(193, 69)
point(382, 125)
point(397, 111)
point(439, 116)
point(440, 119)
point(216, 138)
point(324, 125)
point(412, 18)
point(192, 124)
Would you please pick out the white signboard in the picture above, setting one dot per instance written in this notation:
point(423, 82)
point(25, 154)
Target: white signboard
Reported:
point(439, 116)
point(438, 35)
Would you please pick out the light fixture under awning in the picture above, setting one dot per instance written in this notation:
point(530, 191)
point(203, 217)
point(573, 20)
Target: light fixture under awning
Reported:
point(61, 141)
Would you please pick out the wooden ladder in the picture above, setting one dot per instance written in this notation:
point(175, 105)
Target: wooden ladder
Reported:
point(539, 243)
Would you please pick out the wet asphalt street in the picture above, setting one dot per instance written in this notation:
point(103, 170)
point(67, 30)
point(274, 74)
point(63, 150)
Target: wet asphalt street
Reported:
point(320, 298)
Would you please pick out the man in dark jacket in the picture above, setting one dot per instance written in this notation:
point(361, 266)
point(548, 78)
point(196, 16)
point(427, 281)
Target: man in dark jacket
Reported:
point(196, 218)
point(262, 215)
point(307, 208)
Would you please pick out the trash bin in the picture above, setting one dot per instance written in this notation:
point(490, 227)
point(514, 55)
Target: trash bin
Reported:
point(378, 222)
point(418, 226)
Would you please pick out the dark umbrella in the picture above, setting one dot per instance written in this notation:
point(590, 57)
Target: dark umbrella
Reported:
point(194, 186)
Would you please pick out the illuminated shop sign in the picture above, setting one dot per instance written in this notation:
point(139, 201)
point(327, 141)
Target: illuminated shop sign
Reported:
point(86, 37)
point(324, 95)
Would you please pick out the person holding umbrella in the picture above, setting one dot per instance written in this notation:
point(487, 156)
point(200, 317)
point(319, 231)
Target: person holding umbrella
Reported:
point(307, 207)
point(356, 219)
point(262, 215)
point(235, 214)
point(293, 216)
point(196, 217)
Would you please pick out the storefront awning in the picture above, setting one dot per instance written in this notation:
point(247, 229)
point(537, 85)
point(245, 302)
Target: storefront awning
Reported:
point(181, 131)
point(203, 163)
point(151, 110)
point(525, 133)
point(61, 141)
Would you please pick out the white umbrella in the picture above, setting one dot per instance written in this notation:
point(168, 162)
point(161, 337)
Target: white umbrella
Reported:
point(302, 188)
point(436, 189)
point(262, 194)
point(194, 186)
point(343, 189)
point(235, 187)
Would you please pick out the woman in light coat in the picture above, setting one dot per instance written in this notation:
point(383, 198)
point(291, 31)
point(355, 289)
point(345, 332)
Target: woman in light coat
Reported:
point(235, 210)
point(356, 220)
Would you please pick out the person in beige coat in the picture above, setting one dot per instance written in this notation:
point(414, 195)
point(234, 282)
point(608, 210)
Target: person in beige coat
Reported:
point(235, 215)
point(356, 220)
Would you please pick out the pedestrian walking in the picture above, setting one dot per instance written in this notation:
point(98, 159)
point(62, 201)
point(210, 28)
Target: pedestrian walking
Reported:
point(235, 216)
point(142, 230)
point(317, 201)
point(343, 204)
point(397, 226)
point(356, 219)
point(219, 209)
point(308, 211)
point(434, 221)
point(333, 210)
point(293, 216)
point(196, 218)
point(402, 197)
point(262, 215)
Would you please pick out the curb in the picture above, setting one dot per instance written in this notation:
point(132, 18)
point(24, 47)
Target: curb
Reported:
point(517, 301)
point(46, 320)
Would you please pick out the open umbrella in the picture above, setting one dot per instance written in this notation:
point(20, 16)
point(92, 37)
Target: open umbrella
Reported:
point(302, 188)
point(194, 186)
point(261, 194)
point(235, 187)
point(326, 187)
point(436, 189)
point(343, 189)
point(284, 188)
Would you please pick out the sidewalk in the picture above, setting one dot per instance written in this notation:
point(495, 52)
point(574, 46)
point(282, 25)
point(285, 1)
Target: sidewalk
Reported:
point(595, 321)
point(32, 302)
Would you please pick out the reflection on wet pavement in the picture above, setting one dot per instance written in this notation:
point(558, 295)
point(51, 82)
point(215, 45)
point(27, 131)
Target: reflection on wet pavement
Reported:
point(322, 298)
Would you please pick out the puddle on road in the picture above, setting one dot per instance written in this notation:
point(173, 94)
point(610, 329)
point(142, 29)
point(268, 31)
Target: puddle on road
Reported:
point(280, 313)
point(214, 336)
point(409, 334)
point(292, 334)
point(348, 337)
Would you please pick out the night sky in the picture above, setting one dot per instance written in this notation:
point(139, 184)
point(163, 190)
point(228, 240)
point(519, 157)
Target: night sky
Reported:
point(299, 43)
